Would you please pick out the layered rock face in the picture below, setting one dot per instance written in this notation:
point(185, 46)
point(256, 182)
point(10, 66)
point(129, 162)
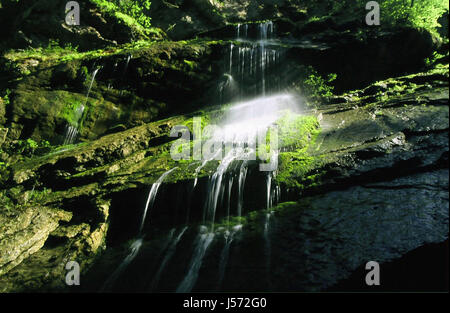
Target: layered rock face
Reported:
point(367, 179)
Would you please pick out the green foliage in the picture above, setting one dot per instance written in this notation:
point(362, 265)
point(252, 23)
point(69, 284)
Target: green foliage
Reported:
point(27, 147)
point(420, 14)
point(131, 12)
point(433, 59)
point(316, 87)
point(5, 96)
point(5, 171)
point(136, 9)
point(53, 50)
point(415, 13)
point(30, 147)
point(54, 47)
point(7, 204)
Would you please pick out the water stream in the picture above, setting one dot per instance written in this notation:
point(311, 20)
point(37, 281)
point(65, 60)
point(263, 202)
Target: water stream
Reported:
point(71, 131)
point(137, 243)
point(203, 241)
point(224, 255)
point(152, 196)
point(259, 105)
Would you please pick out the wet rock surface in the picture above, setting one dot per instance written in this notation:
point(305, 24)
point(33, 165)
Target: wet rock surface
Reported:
point(370, 183)
point(313, 243)
point(382, 192)
point(342, 230)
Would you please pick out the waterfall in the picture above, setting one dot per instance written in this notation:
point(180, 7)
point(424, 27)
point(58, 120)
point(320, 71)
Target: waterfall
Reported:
point(126, 64)
point(167, 257)
point(241, 184)
point(277, 195)
point(94, 73)
point(240, 125)
point(70, 134)
point(251, 63)
point(271, 198)
point(251, 60)
point(203, 241)
point(152, 196)
point(137, 243)
point(71, 131)
point(224, 255)
point(230, 186)
point(269, 181)
point(267, 244)
point(202, 165)
point(134, 249)
point(205, 237)
point(215, 186)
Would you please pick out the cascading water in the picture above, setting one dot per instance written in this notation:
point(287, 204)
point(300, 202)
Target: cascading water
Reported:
point(152, 196)
point(241, 124)
point(251, 69)
point(126, 64)
point(203, 241)
point(241, 184)
point(267, 243)
point(272, 197)
point(137, 243)
point(224, 255)
point(230, 187)
point(269, 183)
point(214, 188)
point(71, 131)
point(250, 60)
point(202, 165)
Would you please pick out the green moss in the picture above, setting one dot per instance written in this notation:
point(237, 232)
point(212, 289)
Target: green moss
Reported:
point(71, 112)
point(392, 88)
point(295, 131)
point(231, 222)
point(132, 15)
point(204, 121)
point(298, 135)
